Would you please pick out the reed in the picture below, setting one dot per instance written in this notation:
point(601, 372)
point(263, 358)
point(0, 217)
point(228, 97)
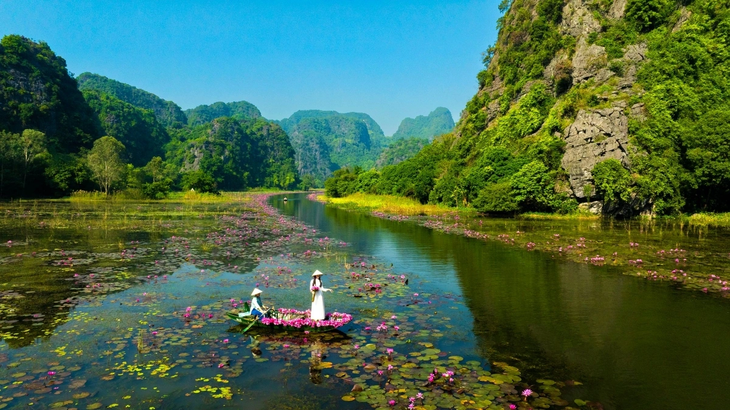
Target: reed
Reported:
point(710, 219)
point(389, 204)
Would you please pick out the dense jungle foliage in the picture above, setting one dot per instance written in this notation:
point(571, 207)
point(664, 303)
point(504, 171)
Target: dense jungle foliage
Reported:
point(240, 110)
point(168, 113)
point(505, 154)
point(399, 151)
point(56, 139)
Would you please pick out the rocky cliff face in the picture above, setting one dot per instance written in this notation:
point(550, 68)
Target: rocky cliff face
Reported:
point(570, 47)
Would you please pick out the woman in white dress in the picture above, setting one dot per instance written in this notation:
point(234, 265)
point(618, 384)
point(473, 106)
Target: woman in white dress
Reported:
point(315, 286)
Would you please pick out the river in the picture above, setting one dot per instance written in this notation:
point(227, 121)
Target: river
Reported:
point(106, 304)
point(632, 343)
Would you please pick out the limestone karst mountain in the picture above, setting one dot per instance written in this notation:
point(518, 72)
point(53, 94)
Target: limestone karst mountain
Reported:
point(614, 106)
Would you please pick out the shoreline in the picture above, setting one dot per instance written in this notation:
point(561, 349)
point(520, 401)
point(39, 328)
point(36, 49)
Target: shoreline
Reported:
point(673, 265)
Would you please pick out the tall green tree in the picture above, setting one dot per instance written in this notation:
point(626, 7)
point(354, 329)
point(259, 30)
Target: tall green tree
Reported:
point(32, 146)
point(105, 162)
point(156, 169)
point(9, 143)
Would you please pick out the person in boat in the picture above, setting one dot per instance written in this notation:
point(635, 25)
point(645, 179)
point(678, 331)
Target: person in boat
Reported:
point(257, 307)
point(315, 286)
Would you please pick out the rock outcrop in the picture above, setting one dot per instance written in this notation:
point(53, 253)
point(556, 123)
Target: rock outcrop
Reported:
point(595, 136)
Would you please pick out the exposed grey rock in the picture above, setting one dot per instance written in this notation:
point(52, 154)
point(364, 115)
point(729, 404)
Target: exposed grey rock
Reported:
point(558, 67)
point(595, 136)
point(492, 111)
point(603, 75)
point(638, 111)
point(578, 20)
point(686, 14)
point(587, 61)
point(594, 207)
point(636, 53)
point(618, 9)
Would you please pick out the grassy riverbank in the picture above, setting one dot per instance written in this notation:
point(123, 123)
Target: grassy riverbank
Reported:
point(687, 251)
point(392, 205)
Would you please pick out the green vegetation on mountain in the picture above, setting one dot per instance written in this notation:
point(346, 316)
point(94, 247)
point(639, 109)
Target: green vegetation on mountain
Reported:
point(399, 151)
point(615, 106)
point(168, 113)
point(240, 110)
point(438, 122)
point(136, 128)
point(37, 92)
point(54, 139)
point(234, 154)
point(327, 140)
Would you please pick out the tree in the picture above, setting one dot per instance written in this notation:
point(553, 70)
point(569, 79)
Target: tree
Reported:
point(613, 180)
point(533, 187)
point(647, 14)
point(106, 163)
point(307, 182)
point(156, 169)
point(9, 144)
point(32, 146)
point(199, 181)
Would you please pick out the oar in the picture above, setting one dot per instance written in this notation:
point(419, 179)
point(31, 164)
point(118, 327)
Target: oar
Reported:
point(249, 326)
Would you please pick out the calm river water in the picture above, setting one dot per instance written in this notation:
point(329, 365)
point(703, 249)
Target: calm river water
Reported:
point(633, 344)
point(123, 305)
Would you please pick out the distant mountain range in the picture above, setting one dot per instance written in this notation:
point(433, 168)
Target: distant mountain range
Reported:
point(229, 142)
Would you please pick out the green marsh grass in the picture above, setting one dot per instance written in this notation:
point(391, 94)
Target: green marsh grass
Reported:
point(395, 205)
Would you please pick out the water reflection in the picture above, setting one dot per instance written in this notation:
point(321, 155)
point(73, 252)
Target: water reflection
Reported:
point(634, 344)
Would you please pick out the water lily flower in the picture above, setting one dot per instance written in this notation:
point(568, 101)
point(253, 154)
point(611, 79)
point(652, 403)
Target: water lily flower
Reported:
point(526, 393)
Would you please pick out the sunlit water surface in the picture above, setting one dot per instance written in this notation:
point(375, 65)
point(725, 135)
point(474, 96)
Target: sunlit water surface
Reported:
point(96, 317)
point(633, 344)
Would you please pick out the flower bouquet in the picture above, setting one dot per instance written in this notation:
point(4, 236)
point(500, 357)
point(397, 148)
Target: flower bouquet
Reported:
point(314, 291)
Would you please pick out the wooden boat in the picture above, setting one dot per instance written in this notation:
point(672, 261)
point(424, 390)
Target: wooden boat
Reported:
point(290, 320)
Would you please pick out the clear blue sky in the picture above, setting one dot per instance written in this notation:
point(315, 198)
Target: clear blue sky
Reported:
point(390, 59)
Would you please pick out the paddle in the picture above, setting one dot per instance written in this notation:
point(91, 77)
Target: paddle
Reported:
point(249, 326)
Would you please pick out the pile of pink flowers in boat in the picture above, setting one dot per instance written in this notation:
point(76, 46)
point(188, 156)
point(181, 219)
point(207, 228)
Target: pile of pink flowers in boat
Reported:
point(297, 319)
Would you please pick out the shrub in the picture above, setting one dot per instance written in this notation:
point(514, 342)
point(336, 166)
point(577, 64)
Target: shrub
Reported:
point(496, 198)
point(612, 180)
point(200, 181)
point(647, 14)
point(534, 187)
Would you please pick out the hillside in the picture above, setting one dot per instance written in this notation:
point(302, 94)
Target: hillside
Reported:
point(240, 110)
point(399, 151)
point(49, 128)
point(236, 154)
point(134, 127)
point(616, 106)
point(168, 113)
point(438, 122)
point(327, 140)
point(37, 92)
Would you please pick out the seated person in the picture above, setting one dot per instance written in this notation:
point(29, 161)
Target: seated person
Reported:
point(257, 307)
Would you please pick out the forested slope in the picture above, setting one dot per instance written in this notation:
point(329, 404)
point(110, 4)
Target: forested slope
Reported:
point(54, 139)
point(168, 113)
point(615, 106)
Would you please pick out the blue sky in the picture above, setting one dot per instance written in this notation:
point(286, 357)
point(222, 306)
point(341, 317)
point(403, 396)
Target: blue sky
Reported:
point(390, 59)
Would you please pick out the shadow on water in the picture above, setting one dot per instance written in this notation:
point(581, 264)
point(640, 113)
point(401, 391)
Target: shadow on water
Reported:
point(632, 343)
